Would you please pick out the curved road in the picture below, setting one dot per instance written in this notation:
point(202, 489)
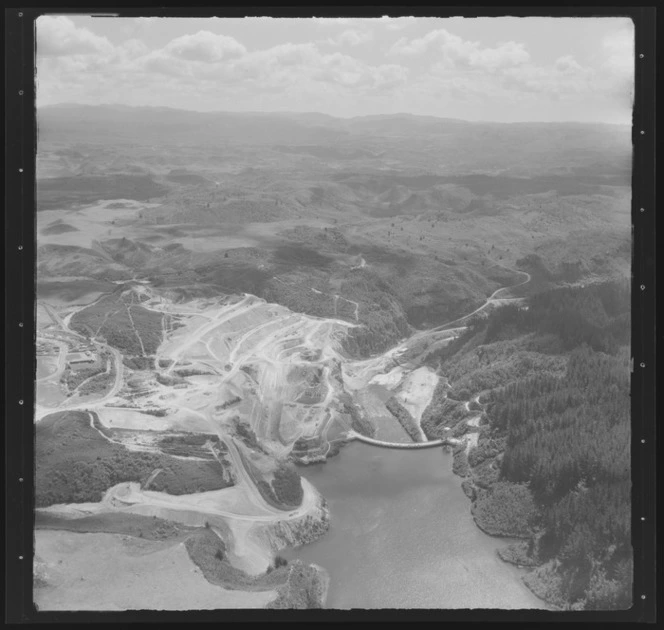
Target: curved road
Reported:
point(489, 300)
point(309, 495)
point(442, 327)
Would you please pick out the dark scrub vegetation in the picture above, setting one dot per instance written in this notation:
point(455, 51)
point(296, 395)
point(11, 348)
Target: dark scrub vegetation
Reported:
point(405, 419)
point(553, 463)
point(76, 464)
point(137, 525)
point(297, 585)
point(130, 328)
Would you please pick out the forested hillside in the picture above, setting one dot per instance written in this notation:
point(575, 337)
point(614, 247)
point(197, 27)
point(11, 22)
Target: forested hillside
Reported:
point(552, 461)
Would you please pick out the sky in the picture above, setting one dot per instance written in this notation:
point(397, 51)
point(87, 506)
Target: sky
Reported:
point(488, 69)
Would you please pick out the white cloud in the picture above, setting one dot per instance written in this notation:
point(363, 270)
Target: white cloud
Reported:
point(351, 37)
point(206, 47)
point(390, 23)
point(213, 71)
point(390, 75)
point(504, 55)
point(331, 21)
point(292, 63)
point(396, 23)
point(506, 69)
point(262, 63)
point(616, 72)
point(340, 69)
point(417, 46)
point(459, 52)
point(567, 65)
point(506, 73)
point(562, 79)
point(618, 50)
point(145, 21)
point(59, 36)
point(160, 62)
point(133, 48)
point(289, 66)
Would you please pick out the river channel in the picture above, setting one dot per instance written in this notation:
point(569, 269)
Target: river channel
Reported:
point(402, 535)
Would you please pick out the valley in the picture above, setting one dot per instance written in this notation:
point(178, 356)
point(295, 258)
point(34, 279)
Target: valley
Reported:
point(224, 317)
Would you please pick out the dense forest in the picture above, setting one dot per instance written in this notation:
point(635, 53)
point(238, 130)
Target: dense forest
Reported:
point(552, 462)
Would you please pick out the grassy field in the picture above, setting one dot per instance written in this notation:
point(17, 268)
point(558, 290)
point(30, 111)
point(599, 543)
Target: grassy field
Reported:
point(115, 572)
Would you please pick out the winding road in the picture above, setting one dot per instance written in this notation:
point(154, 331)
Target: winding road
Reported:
point(492, 298)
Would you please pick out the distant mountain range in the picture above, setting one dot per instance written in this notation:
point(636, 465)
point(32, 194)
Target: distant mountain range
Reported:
point(313, 117)
point(441, 143)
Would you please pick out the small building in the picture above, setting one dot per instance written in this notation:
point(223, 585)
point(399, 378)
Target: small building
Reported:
point(80, 357)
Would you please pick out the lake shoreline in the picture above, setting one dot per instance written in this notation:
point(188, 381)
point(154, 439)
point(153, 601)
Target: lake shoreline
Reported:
point(470, 491)
point(397, 483)
point(469, 494)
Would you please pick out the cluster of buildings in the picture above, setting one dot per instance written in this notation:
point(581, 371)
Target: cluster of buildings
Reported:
point(82, 346)
point(45, 348)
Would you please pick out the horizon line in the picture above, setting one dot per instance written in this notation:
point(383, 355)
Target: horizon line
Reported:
point(336, 117)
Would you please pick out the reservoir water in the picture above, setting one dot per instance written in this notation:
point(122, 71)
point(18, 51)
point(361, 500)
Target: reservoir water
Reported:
point(402, 536)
